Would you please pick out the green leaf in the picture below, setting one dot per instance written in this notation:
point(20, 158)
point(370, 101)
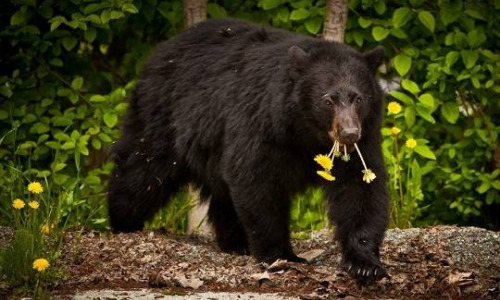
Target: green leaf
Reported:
point(364, 23)
point(469, 57)
point(110, 119)
point(410, 116)
point(402, 97)
point(427, 100)
point(424, 112)
point(450, 11)
point(402, 63)
point(450, 112)
point(97, 98)
point(410, 86)
point(299, 14)
point(90, 34)
point(427, 19)
point(424, 151)
point(116, 15)
point(380, 7)
point(18, 18)
point(380, 33)
point(401, 16)
point(130, 8)
point(69, 43)
point(451, 58)
point(314, 25)
point(484, 187)
point(105, 16)
point(496, 184)
point(476, 37)
point(3, 115)
point(216, 11)
point(77, 83)
point(270, 4)
point(283, 14)
point(475, 14)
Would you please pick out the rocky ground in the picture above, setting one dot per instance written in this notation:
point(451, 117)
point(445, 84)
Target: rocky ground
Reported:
point(437, 262)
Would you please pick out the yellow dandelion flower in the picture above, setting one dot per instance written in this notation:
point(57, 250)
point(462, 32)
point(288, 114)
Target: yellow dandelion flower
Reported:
point(35, 187)
point(34, 204)
point(411, 143)
point(394, 107)
point(45, 229)
point(41, 264)
point(324, 161)
point(18, 204)
point(368, 175)
point(326, 175)
point(395, 131)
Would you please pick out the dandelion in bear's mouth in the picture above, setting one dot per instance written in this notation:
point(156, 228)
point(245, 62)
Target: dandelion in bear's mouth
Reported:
point(326, 175)
point(326, 162)
point(368, 175)
point(346, 157)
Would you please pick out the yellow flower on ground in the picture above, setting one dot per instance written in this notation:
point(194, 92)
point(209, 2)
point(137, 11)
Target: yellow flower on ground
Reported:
point(324, 161)
point(368, 175)
point(34, 204)
point(394, 107)
point(45, 229)
point(35, 187)
point(18, 204)
point(395, 131)
point(41, 264)
point(411, 143)
point(326, 175)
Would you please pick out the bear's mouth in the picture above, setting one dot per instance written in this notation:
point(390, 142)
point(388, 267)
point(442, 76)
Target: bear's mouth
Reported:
point(334, 137)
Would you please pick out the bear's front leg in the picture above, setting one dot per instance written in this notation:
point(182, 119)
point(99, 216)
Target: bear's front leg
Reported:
point(264, 211)
point(359, 211)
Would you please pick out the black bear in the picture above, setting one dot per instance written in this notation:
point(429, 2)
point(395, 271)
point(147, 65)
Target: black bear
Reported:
point(241, 111)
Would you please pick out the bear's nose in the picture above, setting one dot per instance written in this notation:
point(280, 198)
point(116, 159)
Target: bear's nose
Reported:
point(349, 136)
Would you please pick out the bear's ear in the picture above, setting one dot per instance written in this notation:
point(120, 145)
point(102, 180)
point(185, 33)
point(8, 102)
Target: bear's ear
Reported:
point(298, 58)
point(374, 57)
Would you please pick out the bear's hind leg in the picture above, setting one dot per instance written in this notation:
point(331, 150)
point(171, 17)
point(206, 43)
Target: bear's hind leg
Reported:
point(264, 213)
point(229, 231)
point(138, 188)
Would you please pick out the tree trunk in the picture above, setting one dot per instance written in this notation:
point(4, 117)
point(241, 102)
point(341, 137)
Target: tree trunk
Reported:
point(335, 20)
point(194, 11)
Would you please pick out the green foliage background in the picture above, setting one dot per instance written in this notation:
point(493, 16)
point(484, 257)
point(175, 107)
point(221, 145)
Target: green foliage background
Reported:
point(68, 67)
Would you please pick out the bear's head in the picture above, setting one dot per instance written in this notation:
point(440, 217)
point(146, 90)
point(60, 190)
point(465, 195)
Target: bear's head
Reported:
point(336, 89)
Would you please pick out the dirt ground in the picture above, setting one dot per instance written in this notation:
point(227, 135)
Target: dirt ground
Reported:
point(437, 262)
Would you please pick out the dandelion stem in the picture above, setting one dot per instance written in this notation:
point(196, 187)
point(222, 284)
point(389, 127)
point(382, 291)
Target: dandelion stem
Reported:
point(360, 156)
point(345, 150)
point(37, 285)
point(333, 149)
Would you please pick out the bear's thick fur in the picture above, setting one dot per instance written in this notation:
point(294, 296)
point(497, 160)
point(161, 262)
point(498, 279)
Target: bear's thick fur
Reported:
point(240, 111)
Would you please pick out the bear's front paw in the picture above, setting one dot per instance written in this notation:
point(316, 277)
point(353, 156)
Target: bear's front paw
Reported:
point(364, 270)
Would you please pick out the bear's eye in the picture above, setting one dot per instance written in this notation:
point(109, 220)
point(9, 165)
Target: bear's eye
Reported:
point(328, 99)
point(358, 99)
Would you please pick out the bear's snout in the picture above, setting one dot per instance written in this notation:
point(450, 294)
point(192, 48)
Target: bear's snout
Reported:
point(349, 135)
